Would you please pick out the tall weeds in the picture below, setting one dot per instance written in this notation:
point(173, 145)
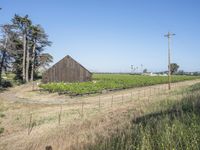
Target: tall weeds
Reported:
point(174, 126)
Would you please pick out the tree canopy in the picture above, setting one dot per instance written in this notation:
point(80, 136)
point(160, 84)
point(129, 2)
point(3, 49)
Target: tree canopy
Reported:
point(174, 68)
point(22, 46)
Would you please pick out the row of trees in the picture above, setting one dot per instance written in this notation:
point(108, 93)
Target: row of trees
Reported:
point(22, 45)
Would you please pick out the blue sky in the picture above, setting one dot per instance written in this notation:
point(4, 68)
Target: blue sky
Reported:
point(112, 35)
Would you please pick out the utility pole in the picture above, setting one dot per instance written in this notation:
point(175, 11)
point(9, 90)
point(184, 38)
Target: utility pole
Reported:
point(169, 35)
point(131, 69)
point(141, 68)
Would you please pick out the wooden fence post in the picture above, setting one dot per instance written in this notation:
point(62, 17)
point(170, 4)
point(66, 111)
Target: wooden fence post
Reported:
point(30, 124)
point(59, 115)
point(177, 96)
point(112, 101)
point(82, 105)
point(32, 85)
point(131, 96)
point(182, 93)
point(150, 91)
point(99, 103)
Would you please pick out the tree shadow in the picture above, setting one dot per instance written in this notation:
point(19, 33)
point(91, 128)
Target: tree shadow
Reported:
point(3, 89)
point(178, 110)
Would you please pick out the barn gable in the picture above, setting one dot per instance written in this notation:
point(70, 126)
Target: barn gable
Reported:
point(67, 70)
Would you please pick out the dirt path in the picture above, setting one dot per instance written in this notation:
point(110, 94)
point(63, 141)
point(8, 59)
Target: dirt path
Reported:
point(24, 94)
point(80, 117)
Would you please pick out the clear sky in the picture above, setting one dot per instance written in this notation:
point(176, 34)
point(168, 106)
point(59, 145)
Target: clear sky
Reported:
point(112, 35)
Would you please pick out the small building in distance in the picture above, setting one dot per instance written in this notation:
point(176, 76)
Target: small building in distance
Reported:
point(67, 70)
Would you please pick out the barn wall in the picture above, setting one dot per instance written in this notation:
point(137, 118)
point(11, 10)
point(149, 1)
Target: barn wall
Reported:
point(67, 70)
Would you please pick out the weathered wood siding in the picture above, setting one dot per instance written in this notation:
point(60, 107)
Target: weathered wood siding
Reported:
point(66, 70)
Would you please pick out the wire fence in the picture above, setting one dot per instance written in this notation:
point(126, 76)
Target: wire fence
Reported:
point(84, 108)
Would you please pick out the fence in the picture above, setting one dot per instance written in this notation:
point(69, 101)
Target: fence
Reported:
point(85, 107)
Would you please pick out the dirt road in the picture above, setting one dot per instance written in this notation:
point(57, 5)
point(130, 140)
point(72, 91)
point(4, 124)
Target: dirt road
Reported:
point(26, 94)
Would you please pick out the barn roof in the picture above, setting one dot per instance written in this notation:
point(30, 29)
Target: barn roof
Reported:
point(72, 59)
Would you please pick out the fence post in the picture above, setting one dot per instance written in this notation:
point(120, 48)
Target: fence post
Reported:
point(31, 124)
point(150, 91)
point(59, 115)
point(82, 104)
point(32, 85)
point(99, 103)
point(131, 96)
point(182, 93)
point(112, 101)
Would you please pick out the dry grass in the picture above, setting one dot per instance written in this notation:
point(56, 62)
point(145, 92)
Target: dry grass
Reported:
point(82, 118)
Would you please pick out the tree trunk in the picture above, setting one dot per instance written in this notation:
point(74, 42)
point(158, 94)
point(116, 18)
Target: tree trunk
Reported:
point(27, 66)
point(1, 65)
point(24, 58)
point(0, 75)
point(2, 60)
point(33, 62)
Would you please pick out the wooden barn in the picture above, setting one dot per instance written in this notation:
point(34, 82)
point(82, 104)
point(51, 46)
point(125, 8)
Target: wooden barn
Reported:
point(67, 70)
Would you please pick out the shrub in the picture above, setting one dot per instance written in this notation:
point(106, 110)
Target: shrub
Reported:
point(6, 84)
point(1, 130)
point(2, 115)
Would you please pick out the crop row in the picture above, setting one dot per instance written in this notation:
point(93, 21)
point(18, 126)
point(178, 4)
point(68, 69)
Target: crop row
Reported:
point(102, 82)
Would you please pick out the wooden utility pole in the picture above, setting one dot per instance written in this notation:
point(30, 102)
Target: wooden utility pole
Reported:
point(169, 35)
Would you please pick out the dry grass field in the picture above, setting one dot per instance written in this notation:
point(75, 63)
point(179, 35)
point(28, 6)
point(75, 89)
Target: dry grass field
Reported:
point(32, 120)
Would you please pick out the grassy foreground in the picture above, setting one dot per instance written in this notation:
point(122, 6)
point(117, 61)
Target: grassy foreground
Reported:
point(110, 82)
point(172, 126)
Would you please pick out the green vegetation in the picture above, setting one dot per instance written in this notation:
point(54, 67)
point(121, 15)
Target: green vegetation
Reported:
point(1, 130)
point(2, 115)
point(194, 88)
point(110, 82)
point(22, 45)
point(174, 126)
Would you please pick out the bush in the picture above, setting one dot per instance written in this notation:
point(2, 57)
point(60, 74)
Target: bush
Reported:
point(1, 130)
point(2, 115)
point(6, 84)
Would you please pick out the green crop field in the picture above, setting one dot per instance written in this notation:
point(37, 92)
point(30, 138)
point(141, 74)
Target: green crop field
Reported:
point(110, 82)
